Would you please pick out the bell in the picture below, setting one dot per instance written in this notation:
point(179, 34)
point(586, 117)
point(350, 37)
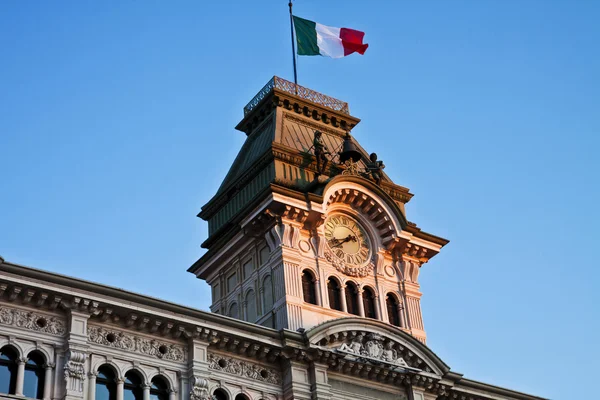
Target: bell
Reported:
point(349, 151)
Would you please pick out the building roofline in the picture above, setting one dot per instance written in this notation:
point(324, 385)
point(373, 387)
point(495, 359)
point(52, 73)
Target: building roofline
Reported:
point(122, 294)
point(476, 385)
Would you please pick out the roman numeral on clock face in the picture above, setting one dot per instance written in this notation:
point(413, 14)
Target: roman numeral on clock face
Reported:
point(363, 253)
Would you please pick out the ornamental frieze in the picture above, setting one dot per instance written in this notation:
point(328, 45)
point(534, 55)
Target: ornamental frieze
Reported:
point(350, 270)
point(32, 321)
point(244, 369)
point(374, 347)
point(136, 344)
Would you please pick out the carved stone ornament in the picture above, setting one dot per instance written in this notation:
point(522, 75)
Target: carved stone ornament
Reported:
point(74, 371)
point(244, 369)
point(351, 168)
point(32, 321)
point(377, 348)
point(136, 344)
point(199, 390)
point(350, 270)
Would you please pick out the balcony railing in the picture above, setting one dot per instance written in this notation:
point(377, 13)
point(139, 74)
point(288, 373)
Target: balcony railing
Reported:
point(300, 91)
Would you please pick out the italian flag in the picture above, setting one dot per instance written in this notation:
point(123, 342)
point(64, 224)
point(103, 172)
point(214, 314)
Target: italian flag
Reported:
point(315, 39)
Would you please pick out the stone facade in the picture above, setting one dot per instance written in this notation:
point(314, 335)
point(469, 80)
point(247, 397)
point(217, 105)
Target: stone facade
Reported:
point(309, 322)
point(198, 353)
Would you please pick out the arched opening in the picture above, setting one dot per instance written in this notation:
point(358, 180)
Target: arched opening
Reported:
point(106, 384)
point(33, 380)
point(251, 306)
point(352, 298)
point(159, 389)
point(220, 394)
point(132, 389)
point(334, 293)
point(308, 287)
point(391, 304)
point(267, 293)
point(8, 370)
point(233, 311)
point(241, 397)
point(368, 298)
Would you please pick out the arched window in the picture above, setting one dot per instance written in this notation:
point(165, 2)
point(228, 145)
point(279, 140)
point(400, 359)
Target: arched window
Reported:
point(33, 380)
point(352, 298)
point(369, 302)
point(159, 390)
point(251, 306)
point(391, 303)
point(241, 397)
point(308, 287)
point(267, 293)
point(220, 394)
point(233, 311)
point(106, 384)
point(8, 370)
point(335, 294)
point(133, 390)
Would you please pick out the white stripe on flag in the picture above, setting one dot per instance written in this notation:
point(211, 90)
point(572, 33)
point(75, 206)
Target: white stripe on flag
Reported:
point(329, 42)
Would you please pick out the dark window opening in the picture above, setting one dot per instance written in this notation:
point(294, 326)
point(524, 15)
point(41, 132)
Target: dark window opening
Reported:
point(352, 298)
point(33, 380)
point(159, 390)
point(392, 309)
point(106, 384)
point(133, 390)
point(308, 287)
point(220, 394)
point(8, 370)
point(334, 293)
point(369, 303)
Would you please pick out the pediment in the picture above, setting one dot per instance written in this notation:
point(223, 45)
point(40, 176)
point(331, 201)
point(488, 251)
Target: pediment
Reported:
point(375, 342)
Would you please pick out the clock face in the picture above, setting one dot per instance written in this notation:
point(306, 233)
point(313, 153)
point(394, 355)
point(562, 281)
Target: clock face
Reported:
point(347, 240)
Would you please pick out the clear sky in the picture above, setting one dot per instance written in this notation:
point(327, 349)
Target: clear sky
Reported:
point(117, 124)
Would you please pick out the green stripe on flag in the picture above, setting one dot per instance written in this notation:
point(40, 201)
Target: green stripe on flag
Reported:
point(306, 37)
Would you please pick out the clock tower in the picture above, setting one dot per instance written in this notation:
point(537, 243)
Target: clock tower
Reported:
point(306, 227)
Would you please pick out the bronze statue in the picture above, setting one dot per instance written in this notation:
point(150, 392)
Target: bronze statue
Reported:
point(321, 152)
point(375, 168)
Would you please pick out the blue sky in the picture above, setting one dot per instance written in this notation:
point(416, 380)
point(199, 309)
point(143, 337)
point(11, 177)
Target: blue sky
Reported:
point(117, 124)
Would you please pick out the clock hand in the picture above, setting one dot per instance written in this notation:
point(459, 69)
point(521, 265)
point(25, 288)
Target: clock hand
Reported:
point(346, 239)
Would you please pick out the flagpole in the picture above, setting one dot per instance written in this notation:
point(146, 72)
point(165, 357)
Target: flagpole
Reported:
point(293, 47)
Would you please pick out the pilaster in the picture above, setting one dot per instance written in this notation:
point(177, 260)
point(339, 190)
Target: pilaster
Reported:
point(320, 388)
point(296, 382)
point(198, 372)
point(76, 355)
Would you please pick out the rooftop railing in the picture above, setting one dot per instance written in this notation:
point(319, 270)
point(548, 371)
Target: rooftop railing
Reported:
point(300, 91)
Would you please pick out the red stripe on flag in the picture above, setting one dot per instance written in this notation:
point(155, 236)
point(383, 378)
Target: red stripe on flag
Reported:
point(352, 41)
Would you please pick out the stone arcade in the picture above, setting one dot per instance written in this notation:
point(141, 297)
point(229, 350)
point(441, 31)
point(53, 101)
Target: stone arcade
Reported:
point(314, 276)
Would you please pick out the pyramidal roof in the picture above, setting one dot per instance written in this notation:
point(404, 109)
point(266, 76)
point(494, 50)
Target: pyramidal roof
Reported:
point(280, 124)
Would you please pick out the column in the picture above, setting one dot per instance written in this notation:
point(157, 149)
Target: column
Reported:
point(244, 311)
point(377, 307)
point(361, 304)
point(172, 394)
point(261, 293)
point(318, 292)
point(400, 312)
point(146, 393)
point(91, 386)
point(120, 383)
point(343, 294)
point(48, 382)
point(20, 376)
